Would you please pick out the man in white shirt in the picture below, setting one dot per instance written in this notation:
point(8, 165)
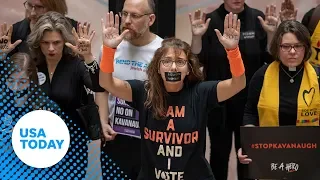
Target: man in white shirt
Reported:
point(130, 62)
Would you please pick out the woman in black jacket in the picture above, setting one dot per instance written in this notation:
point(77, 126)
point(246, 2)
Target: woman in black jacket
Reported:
point(35, 9)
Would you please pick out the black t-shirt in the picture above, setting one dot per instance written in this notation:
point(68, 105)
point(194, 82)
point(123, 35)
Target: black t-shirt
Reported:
point(21, 30)
point(252, 44)
point(172, 148)
point(288, 95)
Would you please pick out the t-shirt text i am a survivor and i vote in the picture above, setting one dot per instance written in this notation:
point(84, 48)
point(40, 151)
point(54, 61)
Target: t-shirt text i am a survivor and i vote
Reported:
point(172, 147)
point(171, 142)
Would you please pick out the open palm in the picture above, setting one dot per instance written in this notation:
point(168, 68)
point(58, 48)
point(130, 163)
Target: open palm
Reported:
point(5, 39)
point(83, 39)
point(288, 11)
point(231, 33)
point(199, 25)
point(110, 31)
point(271, 21)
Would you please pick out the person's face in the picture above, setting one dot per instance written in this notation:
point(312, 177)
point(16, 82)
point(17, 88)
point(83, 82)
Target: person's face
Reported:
point(234, 5)
point(18, 81)
point(52, 45)
point(136, 17)
point(34, 9)
point(173, 62)
point(291, 52)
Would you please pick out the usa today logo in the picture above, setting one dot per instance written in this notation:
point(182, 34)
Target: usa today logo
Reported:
point(40, 139)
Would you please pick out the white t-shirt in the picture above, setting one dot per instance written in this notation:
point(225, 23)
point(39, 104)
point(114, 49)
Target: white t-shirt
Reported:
point(130, 62)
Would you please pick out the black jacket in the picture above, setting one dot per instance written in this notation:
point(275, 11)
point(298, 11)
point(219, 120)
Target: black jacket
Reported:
point(306, 19)
point(252, 44)
point(21, 30)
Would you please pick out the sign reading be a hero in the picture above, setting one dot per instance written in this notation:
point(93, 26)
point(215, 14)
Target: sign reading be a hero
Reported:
point(282, 152)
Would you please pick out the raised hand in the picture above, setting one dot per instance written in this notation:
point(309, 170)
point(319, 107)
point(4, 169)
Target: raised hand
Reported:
point(231, 34)
point(199, 25)
point(271, 21)
point(288, 12)
point(5, 39)
point(83, 40)
point(110, 31)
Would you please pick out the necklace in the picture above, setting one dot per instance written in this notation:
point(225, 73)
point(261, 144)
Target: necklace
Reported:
point(291, 77)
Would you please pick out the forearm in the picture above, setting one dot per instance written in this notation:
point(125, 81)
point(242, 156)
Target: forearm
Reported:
point(238, 80)
point(196, 44)
point(116, 87)
point(238, 83)
point(101, 99)
point(230, 87)
point(106, 81)
point(269, 39)
point(88, 58)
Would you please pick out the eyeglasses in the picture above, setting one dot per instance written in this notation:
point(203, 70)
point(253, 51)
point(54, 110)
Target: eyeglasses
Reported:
point(288, 47)
point(168, 62)
point(29, 7)
point(134, 16)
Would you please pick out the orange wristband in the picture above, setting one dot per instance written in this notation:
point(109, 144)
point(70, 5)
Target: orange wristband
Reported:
point(236, 64)
point(106, 64)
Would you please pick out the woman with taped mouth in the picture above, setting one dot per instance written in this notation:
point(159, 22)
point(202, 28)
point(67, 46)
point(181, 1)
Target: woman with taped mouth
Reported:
point(174, 102)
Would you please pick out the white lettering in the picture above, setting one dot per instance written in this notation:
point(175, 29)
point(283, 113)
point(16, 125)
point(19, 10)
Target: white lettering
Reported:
point(126, 122)
point(168, 175)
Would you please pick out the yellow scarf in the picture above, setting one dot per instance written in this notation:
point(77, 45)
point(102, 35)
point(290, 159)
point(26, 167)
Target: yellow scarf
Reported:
point(315, 46)
point(308, 97)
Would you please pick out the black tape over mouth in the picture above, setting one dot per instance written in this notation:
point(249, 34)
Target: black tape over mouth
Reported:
point(173, 76)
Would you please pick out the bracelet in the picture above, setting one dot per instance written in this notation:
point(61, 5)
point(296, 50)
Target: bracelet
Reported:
point(92, 67)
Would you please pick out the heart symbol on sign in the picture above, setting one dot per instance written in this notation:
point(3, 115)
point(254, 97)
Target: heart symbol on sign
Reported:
point(308, 96)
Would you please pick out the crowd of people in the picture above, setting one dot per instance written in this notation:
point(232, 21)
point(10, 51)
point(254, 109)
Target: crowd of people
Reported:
point(243, 67)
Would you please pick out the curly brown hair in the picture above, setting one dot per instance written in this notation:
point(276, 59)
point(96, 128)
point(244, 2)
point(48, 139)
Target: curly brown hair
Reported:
point(156, 92)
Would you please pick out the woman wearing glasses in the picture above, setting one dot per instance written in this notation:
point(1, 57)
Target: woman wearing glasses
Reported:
point(34, 9)
point(277, 91)
point(174, 102)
